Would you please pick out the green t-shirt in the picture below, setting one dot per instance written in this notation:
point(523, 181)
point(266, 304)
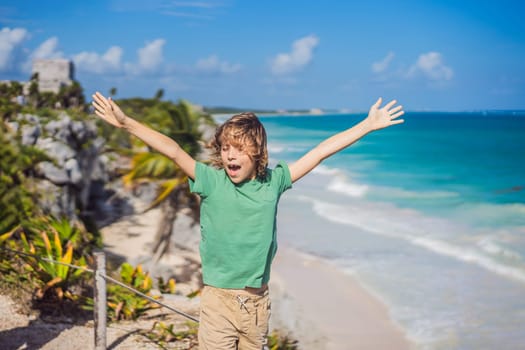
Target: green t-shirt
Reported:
point(238, 225)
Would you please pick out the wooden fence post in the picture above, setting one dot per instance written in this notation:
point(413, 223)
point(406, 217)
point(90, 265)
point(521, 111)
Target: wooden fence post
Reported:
point(99, 309)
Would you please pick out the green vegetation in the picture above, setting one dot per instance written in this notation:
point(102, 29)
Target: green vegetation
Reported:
point(277, 341)
point(162, 334)
point(17, 168)
point(25, 225)
point(166, 287)
point(124, 304)
point(43, 240)
point(52, 281)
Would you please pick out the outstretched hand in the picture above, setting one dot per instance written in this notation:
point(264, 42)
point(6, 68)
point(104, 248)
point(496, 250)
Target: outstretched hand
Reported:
point(108, 110)
point(379, 118)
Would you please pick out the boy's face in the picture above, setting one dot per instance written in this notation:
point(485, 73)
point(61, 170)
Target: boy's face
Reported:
point(238, 164)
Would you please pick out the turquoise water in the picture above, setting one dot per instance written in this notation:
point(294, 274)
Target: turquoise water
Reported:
point(429, 215)
point(440, 161)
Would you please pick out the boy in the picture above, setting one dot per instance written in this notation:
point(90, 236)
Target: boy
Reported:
point(239, 198)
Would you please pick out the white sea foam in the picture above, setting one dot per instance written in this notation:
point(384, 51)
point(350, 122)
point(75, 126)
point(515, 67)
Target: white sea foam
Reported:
point(339, 185)
point(339, 182)
point(506, 214)
point(324, 170)
point(277, 148)
point(273, 148)
point(406, 194)
point(491, 247)
point(471, 256)
point(435, 235)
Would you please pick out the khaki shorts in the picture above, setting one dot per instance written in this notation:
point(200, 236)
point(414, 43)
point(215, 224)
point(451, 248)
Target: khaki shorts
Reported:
point(234, 319)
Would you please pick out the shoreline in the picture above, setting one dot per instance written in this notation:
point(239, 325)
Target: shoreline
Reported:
point(324, 308)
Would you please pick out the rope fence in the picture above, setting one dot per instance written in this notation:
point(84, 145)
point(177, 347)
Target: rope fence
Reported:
point(100, 297)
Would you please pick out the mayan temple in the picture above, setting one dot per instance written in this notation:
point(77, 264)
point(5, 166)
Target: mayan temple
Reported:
point(53, 74)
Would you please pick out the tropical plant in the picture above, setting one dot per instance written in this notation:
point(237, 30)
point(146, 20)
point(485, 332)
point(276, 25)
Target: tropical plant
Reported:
point(159, 94)
point(52, 276)
point(23, 227)
point(162, 333)
point(181, 122)
point(9, 94)
point(71, 95)
point(17, 167)
point(125, 304)
point(277, 341)
point(165, 287)
point(5, 236)
point(173, 193)
point(15, 281)
point(34, 94)
point(68, 232)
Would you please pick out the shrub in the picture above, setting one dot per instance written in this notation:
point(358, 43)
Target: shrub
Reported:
point(125, 304)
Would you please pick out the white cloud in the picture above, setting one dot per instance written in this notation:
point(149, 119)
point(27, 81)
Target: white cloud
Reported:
point(431, 66)
point(48, 49)
point(212, 64)
point(381, 66)
point(10, 42)
point(300, 56)
point(95, 63)
point(150, 60)
point(150, 56)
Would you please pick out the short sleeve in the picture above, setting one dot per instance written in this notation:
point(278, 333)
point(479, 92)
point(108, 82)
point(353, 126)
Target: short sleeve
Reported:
point(281, 176)
point(205, 179)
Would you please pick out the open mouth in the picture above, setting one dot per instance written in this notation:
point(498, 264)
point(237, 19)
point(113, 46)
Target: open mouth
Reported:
point(233, 169)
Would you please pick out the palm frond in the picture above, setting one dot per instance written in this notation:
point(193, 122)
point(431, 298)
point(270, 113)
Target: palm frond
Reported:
point(148, 166)
point(165, 189)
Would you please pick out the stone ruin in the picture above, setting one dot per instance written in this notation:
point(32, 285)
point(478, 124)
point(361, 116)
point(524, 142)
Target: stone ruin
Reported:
point(53, 74)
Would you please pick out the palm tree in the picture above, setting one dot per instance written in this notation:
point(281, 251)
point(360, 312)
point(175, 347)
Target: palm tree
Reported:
point(71, 96)
point(34, 94)
point(180, 122)
point(173, 194)
point(159, 94)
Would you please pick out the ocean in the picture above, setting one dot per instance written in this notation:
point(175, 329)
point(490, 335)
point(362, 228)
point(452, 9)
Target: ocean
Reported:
point(428, 215)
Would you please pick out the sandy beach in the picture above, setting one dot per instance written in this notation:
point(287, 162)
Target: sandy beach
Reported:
point(326, 309)
point(312, 301)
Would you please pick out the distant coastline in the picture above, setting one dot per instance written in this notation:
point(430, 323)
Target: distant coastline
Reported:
point(222, 117)
point(320, 113)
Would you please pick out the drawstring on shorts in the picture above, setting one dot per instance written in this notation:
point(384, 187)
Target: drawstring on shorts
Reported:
point(242, 303)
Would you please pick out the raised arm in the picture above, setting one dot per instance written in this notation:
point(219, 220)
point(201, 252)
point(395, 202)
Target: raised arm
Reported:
point(378, 118)
point(109, 111)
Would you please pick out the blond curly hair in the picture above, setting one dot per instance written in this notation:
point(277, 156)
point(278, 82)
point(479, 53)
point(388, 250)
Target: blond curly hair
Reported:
point(245, 132)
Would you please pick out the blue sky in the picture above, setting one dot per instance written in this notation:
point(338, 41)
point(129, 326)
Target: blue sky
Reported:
point(430, 55)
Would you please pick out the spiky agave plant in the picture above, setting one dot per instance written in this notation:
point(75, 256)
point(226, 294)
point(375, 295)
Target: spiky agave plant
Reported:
point(50, 277)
